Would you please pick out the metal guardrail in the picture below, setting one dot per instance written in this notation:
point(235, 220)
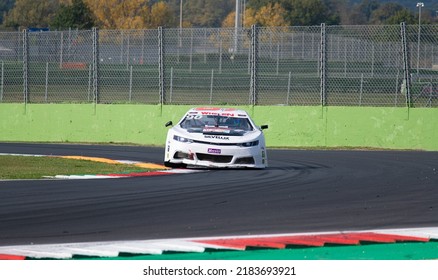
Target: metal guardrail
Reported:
point(391, 66)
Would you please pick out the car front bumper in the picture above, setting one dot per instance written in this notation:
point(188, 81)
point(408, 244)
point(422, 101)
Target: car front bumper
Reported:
point(216, 156)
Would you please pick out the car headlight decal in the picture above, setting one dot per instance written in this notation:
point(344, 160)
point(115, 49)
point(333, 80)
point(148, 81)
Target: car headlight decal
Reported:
point(249, 144)
point(182, 139)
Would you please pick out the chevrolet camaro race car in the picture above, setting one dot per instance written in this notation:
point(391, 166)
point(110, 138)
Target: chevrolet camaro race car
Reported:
point(216, 138)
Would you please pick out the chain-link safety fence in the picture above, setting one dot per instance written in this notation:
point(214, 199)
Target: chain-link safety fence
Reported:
point(391, 66)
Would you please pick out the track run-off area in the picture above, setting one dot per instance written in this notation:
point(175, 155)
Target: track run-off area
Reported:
point(305, 198)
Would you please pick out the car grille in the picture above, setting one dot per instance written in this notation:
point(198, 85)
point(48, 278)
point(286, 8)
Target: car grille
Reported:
point(213, 143)
point(214, 158)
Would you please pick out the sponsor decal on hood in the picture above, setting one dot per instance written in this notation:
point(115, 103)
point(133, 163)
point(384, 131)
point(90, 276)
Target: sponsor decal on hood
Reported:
point(217, 137)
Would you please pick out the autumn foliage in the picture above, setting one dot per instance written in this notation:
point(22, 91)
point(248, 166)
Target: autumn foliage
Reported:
point(148, 14)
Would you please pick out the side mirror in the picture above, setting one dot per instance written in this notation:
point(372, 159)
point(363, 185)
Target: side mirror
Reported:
point(169, 123)
point(265, 126)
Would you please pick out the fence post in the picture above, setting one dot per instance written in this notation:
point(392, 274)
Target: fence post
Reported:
point(47, 82)
point(220, 57)
point(161, 64)
point(2, 81)
point(322, 65)
point(130, 83)
point(373, 53)
point(278, 58)
point(211, 85)
point(345, 58)
point(171, 85)
point(122, 41)
point(361, 90)
point(142, 47)
point(191, 51)
point(292, 45)
point(288, 88)
point(61, 51)
point(90, 77)
point(128, 59)
point(25, 66)
point(205, 45)
point(249, 60)
point(96, 95)
point(406, 70)
point(254, 56)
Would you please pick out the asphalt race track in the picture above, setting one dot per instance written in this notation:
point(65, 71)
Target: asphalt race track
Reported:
point(301, 191)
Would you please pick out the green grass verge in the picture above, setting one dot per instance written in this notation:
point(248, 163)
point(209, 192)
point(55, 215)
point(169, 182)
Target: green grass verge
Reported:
point(30, 167)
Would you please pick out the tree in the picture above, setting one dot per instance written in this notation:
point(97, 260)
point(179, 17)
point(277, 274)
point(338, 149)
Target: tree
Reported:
point(250, 17)
point(76, 15)
point(31, 13)
point(334, 10)
point(120, 14)
point(229, 20)
point(161, 14)
point(361, 13)
point(207, 13)
point(271, 15)
point(5, 6)
point(384, 12)
point(132, 14)
point(402, 16)
point(308, 12)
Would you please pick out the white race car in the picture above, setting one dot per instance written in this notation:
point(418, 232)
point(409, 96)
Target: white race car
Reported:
point(215, 137)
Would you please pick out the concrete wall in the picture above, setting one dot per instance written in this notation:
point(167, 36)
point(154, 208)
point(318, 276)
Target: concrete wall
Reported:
point(395, 128)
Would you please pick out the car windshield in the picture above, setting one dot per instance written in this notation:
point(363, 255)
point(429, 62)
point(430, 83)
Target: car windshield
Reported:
point(198, 123)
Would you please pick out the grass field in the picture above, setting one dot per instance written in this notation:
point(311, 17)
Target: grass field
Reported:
point(30, 167)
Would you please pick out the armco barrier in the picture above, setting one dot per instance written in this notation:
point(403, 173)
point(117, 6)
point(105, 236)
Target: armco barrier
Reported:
point(316, 126)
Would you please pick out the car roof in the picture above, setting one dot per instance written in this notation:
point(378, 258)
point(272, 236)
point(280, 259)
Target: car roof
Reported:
point(230, 112)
